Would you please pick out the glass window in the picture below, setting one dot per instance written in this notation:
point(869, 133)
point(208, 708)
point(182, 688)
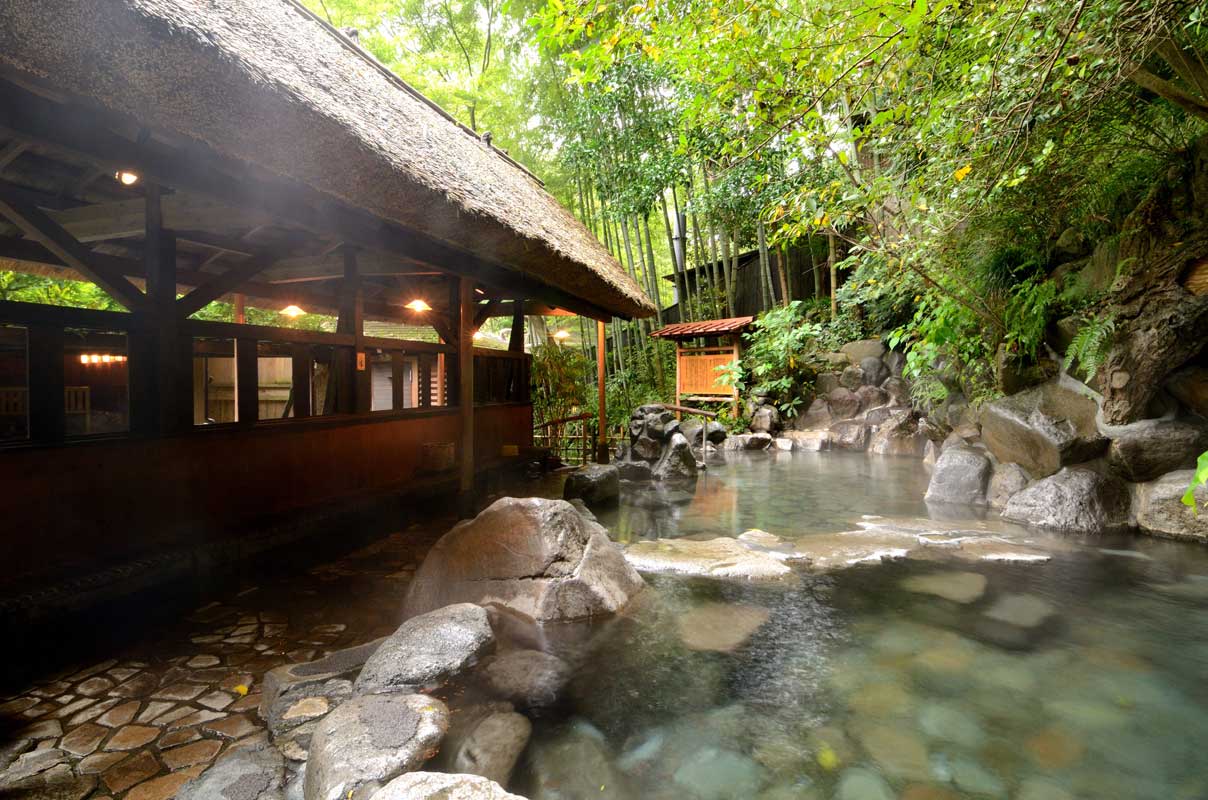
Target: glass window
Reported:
point(96, 383)
point(14, 384)
point(214, 382)
point(275, 380)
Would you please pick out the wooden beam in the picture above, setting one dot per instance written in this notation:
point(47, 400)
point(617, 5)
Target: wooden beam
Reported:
point(516, 338)
point(485, 310)
point(83, 133)
point(465, 392)
point(123, 219)
point(11, 152)
point(220, 285)
point(41, 228)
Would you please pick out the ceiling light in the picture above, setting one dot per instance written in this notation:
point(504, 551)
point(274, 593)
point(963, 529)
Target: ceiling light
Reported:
point(292, 311)
point(418, 305)
point(126, 178)
point(477, 335)
point(562, 334)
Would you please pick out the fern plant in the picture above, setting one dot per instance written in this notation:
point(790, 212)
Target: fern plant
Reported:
point(1091, 344)
point(1200, 478)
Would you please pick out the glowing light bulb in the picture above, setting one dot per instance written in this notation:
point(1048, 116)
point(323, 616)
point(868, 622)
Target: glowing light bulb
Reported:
point(418, 305)
point(84, 358)
point(94, 358)
point(126, 178)
point(292, 311)
point(562, 334)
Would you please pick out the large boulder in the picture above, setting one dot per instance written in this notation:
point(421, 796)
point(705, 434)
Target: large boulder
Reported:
point(693, 430)
point(489, 745)
point(369, 740)
point(959, 477)
point(1147, 449)
point(253, 772)
point(827, 382)
point(747, 441)
point(766, 419)
point(1006, 481)
point(871, 397)
point(809, 441)
point(816, 418)
point(844, 403)
point(715, 432)
point(428, 650)
point(864, 348)
point(1158, 507)
point(1190, 387)
point(851, 434)
point(538, 557)
point(595, 484)
point(1075, 499)
point(634, 471)
point(895, 361)
point(898, 391)
point(875, 370)
point(292, 682)
point(898, 435)
point(442, 786)
point(678, 462)
point(852, 378)
point(1043, 429)
point(646, 448)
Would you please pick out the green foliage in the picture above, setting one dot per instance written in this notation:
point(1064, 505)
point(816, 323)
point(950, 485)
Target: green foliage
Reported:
point(23, 288)
point(779, 360)
point(1200, 478)
point(1091, 344)
point(561, 387)
point(1026, 316)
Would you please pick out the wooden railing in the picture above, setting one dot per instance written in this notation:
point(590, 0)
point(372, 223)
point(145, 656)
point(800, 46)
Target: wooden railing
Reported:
point(569, 438)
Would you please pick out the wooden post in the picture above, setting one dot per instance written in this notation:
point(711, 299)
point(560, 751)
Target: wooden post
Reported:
point(516, 338)
point(173, 370)
point(247, 381)
point(465, 392)
point(45, 396)
point(352, 320)
point(300, 359)
point(240, 310)
point(398, 381)
point(602, 429)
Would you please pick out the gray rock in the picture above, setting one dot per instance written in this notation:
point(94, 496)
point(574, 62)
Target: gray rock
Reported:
point(849, 434)
point(299, 705)
point(747, 441)
point(827, 382)
point(809, 441)
point(898, 435)
point(442, 786)
point(1190, 387)
point(766, 419)
point(895, 362)
point(975, 779)
point(871, 397)
point(1158, 507)
point(428, 650)
point(661, 424)
point(678, 462)
point(1147, 449)
point(844, 404)
point(244, 773)
point(960, 476)
point(816, 418)
point(596, 484)
point(898, 391)
point(723, 558)
point(528, 678)
point(931, 454)
point(537, 557)
point(861, 349)
point(715, 432)
point(295, 678)
point(1005, 482)
point(646, 448)
point(1075, 499)
point(369, 740)
point(863, 784)
point(634, 471)
point(583, 510)
point(852, 377)
point(692, 429)
point(875, 370)
point(1043, 429)
point(492, 747)
point(958, 587)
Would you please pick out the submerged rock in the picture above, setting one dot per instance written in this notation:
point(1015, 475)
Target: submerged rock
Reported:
point(1159, 510)
point(959, 587)
point(1016, 621)
point(492, 747)
point(959, 477)
point(720, 627)
point(369, 740)
point(528, 678)
point(1075, 499)
point(722, 558)
point(538, 557)
point(863, 784)
point(574, 762)
point(714, 774)
point(428, 650)
point(442, 786)
point(1043, 429)
point(596, 484)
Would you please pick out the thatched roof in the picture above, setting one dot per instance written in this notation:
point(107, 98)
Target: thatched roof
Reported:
point(266, 83)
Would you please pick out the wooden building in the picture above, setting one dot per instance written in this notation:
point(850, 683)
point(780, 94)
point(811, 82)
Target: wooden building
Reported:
point(180, 152)
point(697, 375)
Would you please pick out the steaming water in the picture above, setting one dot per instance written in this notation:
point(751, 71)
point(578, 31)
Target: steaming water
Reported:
point(850, 686)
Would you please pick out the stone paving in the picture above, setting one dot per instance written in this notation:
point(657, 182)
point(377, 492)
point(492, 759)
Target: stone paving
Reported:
point(142, 722)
